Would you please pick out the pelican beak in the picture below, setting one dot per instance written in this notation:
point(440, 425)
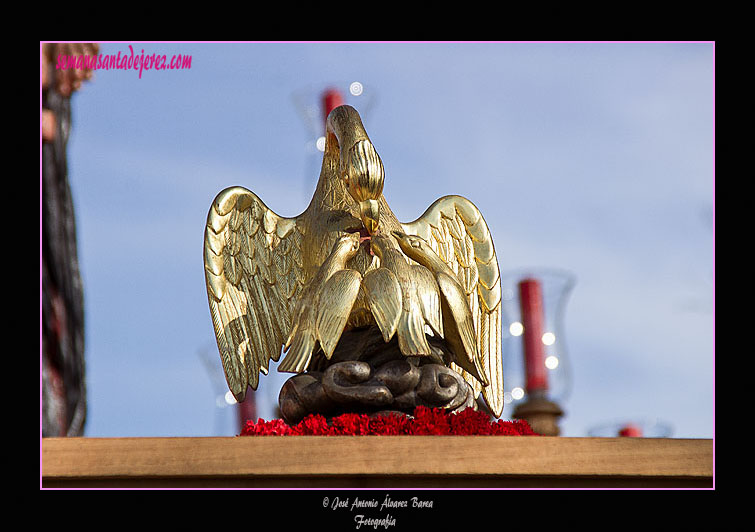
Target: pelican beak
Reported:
point(398, 234)
point(369, 210)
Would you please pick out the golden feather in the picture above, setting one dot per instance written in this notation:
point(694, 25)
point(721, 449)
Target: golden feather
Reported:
point(252, 261)
point(459, 235)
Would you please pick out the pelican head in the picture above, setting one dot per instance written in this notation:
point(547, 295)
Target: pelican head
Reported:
point(417, 249)
point(412, 246)
point(379, 244)
point(347, 245)
point(363, 175)
point(360, 167)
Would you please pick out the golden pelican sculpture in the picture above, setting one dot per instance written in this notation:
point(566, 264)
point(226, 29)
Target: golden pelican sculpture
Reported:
point(347, 262)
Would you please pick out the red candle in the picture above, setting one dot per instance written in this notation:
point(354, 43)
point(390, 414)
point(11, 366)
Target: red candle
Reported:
point(630, 431)
point(248, 409)
point(331, 99)
point(531, 301)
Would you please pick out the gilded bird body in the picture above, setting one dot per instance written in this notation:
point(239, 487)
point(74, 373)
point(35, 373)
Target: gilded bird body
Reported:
point(457, 317)
point(343, 201)
point(258, 263)
point(324, 307)
point(404, 296)
point(264, 272)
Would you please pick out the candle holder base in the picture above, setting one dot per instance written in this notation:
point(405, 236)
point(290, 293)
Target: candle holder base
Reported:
point(541, 414)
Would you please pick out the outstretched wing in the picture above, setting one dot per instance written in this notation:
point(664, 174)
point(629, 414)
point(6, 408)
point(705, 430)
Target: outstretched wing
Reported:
point(457, 232)
point(252, 262)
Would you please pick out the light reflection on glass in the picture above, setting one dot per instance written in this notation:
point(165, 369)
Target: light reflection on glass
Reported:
point(556, 287)
point(229, 398)
point(516, 329)
point(356, 88)
point(549, 338)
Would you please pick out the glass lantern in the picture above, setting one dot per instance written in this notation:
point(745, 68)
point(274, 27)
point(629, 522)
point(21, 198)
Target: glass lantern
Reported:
point(223, 398)
point(535, 355)
point(313, 103)
point(632, 428)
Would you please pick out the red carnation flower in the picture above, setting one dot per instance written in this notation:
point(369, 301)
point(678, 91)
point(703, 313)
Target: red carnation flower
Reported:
point(350, 425)
point(312, 425)
point(430, 421)
point(390, 425)
point(275, 427)
point(426, 421)
point(470, 422)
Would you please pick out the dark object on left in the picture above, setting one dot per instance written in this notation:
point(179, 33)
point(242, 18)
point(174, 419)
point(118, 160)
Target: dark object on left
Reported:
point(62, 361)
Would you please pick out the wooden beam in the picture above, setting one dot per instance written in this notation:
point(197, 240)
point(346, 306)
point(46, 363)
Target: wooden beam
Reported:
point(385, 461)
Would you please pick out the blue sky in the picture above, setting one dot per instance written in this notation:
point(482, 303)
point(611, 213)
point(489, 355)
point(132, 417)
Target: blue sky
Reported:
point(594, 158)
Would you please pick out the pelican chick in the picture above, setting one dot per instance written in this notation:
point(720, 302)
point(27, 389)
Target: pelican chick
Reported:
point(457, 318)
point(324, 307)
point(403, 298)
